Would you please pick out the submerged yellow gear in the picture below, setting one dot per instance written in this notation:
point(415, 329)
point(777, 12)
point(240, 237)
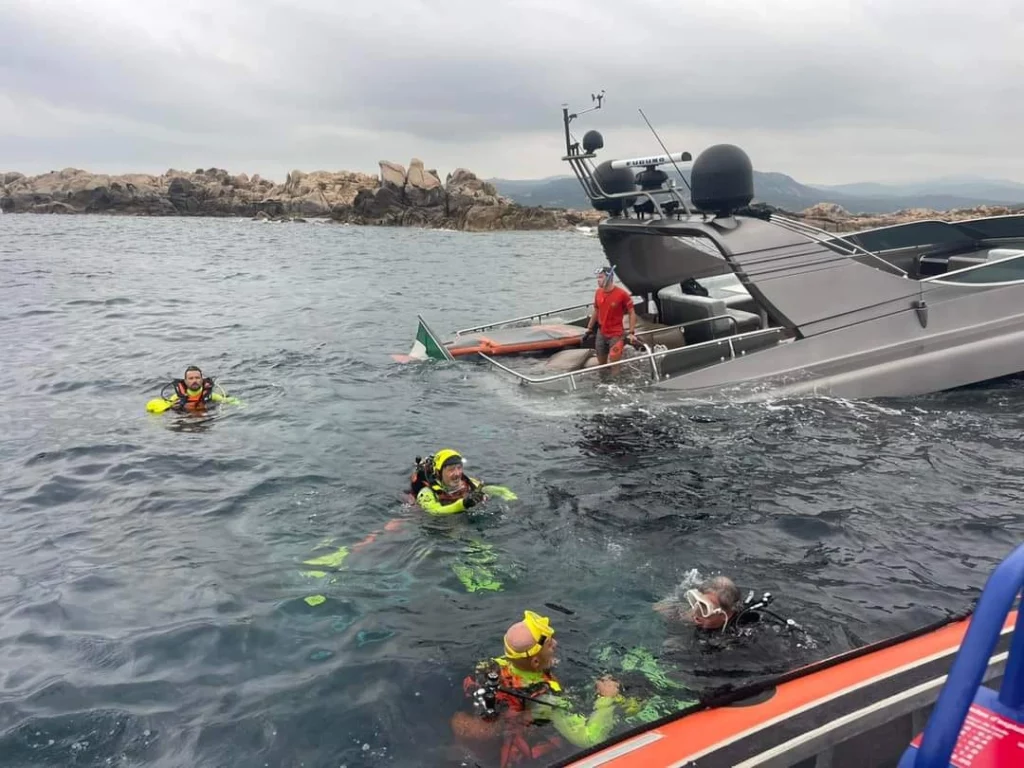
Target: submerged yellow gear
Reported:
point(442, 457)
point(540, 629)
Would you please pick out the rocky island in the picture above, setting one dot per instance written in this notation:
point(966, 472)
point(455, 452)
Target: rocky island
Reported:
point(834, 218)
point(396, 197)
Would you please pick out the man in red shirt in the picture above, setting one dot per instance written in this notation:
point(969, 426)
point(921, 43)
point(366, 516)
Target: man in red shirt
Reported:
point(611, 303)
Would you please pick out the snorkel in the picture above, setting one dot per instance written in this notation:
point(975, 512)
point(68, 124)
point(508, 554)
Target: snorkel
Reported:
point(609, 276)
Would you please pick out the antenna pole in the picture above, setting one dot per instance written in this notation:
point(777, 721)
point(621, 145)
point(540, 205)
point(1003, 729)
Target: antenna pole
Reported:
point(664, 148)
point(565, 121)
point(568, 118)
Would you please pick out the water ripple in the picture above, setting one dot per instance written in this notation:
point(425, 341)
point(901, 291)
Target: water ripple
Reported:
point(153, 587)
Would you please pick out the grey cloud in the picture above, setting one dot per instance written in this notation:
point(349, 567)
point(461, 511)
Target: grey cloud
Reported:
point(460, 73)
point(125, 79)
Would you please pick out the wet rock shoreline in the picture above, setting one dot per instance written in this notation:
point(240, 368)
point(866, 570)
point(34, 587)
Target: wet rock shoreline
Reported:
point(396, 197)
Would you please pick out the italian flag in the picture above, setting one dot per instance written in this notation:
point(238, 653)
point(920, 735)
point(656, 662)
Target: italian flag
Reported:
point(426, 346)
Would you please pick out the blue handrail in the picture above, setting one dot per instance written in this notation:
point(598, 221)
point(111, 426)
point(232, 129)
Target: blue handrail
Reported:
point(965, 676)
point(1012, 692)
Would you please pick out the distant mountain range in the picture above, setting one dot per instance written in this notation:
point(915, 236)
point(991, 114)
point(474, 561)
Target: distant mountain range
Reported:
point(783, 191)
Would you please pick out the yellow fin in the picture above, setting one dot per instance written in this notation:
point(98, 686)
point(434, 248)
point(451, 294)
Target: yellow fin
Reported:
point(332, 560)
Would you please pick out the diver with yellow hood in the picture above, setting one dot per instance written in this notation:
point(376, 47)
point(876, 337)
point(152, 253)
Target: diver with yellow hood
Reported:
point(515, 691)
point(441, 488)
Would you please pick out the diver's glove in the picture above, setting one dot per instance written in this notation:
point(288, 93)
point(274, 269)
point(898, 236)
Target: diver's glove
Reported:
point(473, 499)
point(587, 339)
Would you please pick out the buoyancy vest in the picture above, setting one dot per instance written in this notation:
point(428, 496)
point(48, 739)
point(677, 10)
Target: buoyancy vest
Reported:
point(447, 496)
point(519, 742)
point(192, 401)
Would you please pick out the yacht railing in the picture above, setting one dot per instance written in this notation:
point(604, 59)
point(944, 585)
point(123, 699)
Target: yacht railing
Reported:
point(688, 323)
point(538, 316)
point(832, 241)
point(524, 318)
point(592, 187)
point(652, 356)
point(672, 192)
point(944, 277)
point(582, 165)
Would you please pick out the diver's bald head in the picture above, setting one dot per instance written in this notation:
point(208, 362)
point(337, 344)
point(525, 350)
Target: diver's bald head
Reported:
point(519, 638)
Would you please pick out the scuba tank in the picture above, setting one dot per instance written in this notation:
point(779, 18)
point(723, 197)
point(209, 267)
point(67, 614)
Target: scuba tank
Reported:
point(485, 698)
point(422, 474)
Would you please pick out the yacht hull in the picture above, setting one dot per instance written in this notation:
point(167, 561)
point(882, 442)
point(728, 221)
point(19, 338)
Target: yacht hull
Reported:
point(860, 326)
point(887, 357)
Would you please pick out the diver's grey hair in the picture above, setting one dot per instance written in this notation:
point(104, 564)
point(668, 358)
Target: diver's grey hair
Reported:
point(728, 594)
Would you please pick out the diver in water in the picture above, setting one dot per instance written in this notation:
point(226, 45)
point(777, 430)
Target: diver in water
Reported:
point(192, 392)
point(735, 637)
point(441, 488)
point(517, 691)
point(711, 607)
point(718, 606)
point(438, 486)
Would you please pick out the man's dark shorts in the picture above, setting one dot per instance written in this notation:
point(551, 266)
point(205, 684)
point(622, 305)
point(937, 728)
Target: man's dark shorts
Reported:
point(603, 344)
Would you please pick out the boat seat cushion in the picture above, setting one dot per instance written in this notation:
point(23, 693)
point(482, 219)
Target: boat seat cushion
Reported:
point(671, 338)
point(568, 360)
point(962, 262)
point(993, 254)
point(734, 299)
point(678, 307)
point(743, 302)
point(725, 287)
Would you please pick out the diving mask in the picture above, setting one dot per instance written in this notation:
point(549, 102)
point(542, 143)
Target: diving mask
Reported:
point(540, 629)
point(608, 273)
point(699, 603)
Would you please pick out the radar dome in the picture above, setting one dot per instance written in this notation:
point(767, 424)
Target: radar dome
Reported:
point(592, 141)
point(722, 179)
point(614, 181)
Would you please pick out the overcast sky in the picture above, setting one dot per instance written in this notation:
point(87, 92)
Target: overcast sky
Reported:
point(828, 91)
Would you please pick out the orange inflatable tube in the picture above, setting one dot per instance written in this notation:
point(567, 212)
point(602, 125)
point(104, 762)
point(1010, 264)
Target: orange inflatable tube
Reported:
point(819, 690)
